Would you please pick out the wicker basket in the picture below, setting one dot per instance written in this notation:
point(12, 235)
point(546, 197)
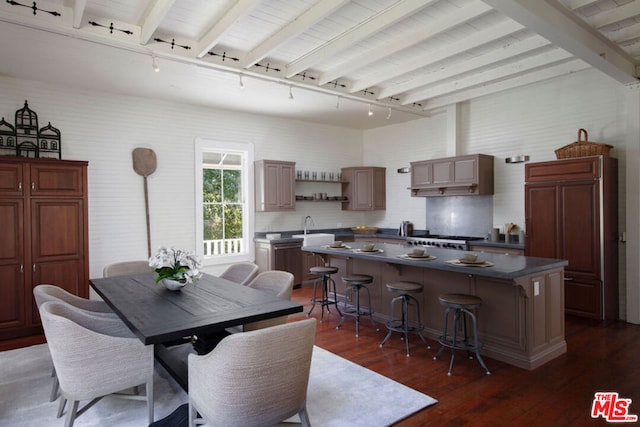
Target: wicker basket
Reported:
point(583, 148)
point(365, 230)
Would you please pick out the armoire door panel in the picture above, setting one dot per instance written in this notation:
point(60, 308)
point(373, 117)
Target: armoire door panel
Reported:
point(543, 233)
point(57, 229)
point(12, 313)
point(583, 297)
point(11, 223)
point(581, 227)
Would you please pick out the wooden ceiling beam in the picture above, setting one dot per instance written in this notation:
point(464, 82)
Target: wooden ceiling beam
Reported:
point(475, 63)
point(509, 71)
point(458, 17)
point(312, 16)
point(237, 10)
point(373, 25)
point(615, 15)
point(78, 12)
point(480, 38)
point(560, 26)
point(153, 18)
point(516, 82)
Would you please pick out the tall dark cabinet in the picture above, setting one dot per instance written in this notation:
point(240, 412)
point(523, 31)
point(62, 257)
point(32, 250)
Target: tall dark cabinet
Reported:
point(571, 212)
point(43, 224)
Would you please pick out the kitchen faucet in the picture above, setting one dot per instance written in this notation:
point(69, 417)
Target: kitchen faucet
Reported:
point(307, 220)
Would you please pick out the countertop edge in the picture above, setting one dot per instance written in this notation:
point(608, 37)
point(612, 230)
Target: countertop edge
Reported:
point(532, 264)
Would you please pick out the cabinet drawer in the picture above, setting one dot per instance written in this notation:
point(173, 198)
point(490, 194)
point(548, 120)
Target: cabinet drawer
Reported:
point(562, 170)
point(57, 180)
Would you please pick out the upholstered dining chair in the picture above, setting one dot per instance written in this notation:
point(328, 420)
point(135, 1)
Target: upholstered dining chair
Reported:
point(124, 268)
point(94, 357)
point(240, 272)
point(254, 378)
point(275, 282)
point(44, 292)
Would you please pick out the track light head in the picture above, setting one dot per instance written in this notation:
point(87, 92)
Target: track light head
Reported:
point(153, 64)
point(370, 113)
point(290, 92)
point(241, 82)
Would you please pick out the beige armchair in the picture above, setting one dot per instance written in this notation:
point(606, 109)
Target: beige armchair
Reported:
point(240, 272)
point(278, 283)
point(125, 268)
point(43, 293)
point(255, 378)
point(93, 357)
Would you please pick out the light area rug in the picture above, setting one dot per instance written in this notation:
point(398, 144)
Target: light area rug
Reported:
point(340, 393)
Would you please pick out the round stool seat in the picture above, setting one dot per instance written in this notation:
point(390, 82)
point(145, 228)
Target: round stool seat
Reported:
point(460, 300)
point(357, 279)
point(323, 270)
point(405, 287)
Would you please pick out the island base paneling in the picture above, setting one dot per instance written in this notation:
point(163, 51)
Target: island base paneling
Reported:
point(521, 321)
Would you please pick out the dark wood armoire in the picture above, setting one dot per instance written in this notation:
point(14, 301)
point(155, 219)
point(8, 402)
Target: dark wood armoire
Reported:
point(44, 229)
point(571, 212)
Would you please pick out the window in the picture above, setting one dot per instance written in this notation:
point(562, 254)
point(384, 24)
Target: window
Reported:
point(224, 201)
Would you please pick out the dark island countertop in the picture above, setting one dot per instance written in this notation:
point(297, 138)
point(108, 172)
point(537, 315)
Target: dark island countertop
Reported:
point(504, 266)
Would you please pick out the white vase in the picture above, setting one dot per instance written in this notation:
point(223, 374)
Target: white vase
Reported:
point(173, 285)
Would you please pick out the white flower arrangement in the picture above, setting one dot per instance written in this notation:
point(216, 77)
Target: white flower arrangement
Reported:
point(176, 264)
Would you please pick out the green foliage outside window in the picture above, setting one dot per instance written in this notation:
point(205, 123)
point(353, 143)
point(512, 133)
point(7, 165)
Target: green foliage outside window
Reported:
point(222, 204)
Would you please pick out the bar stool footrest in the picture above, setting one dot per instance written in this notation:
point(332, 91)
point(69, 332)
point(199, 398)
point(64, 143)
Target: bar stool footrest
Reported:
point(458, 345)
point(398, 326)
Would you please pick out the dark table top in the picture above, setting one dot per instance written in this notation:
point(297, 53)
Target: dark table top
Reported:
point(157, 315)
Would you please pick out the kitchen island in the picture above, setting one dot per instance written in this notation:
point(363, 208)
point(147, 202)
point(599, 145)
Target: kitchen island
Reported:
point(521, 321)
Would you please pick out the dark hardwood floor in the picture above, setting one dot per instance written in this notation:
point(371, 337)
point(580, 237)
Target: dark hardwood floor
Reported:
point(600, 357)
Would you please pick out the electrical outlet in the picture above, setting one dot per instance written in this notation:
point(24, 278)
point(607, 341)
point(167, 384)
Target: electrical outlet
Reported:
point(536, 288)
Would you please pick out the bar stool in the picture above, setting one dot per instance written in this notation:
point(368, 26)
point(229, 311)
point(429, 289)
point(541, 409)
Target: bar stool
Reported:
point(462, 304)
point(325, 273)
point(354, 283)
point(405, 291)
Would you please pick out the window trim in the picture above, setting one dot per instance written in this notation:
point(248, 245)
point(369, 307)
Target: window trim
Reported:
point(247, 149)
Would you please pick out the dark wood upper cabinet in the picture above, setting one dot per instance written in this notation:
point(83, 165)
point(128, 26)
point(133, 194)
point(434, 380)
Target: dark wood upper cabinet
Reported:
point(571, 212)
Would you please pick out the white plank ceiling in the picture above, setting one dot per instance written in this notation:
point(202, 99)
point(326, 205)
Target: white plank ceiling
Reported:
point(328, 61)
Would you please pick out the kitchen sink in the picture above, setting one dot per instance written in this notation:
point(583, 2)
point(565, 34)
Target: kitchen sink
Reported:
point(315, 239)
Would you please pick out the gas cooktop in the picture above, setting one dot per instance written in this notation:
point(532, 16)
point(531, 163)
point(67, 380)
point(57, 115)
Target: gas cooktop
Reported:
point(442, 241)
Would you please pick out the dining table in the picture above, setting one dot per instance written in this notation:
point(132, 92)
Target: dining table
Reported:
point(206, 307)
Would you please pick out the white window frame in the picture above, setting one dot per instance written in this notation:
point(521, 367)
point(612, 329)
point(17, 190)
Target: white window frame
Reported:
point(203, 145)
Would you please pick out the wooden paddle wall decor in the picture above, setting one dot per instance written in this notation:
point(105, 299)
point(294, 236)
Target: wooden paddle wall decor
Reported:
point(144, 164)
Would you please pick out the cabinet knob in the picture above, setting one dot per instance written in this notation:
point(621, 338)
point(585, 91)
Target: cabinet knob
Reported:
point(34, 267)
point(21, 268)
point(20, 186)
point(33, 185)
